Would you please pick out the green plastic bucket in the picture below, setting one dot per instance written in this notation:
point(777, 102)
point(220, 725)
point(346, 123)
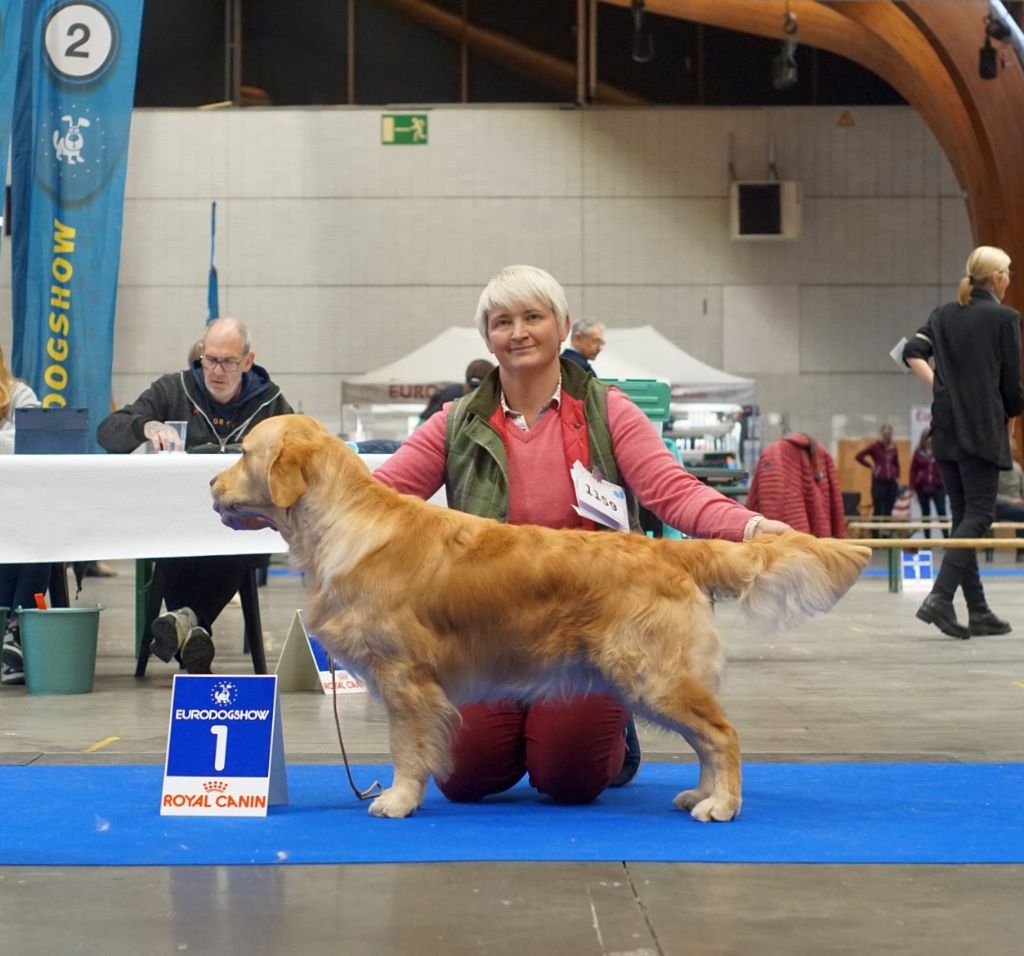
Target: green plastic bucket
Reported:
point(60, 648)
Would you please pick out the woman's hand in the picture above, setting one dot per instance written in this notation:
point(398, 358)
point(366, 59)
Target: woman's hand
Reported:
point(771, 526)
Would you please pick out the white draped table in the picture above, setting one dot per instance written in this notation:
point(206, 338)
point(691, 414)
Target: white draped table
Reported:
point(108, 507)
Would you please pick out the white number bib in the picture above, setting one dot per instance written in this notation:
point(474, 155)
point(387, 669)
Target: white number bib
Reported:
point(599, 500)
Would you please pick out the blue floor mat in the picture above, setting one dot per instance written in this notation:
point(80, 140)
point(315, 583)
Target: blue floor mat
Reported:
point(792, 813)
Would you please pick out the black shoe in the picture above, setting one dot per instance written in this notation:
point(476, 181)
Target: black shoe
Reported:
point(631, 762)
point(197, 651)
point(985, 622)
point(939, 611)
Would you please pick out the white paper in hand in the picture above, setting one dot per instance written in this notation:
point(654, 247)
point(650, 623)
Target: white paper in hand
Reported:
point(897, 354)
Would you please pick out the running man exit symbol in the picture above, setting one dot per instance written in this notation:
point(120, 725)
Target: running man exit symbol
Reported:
point(403, 129)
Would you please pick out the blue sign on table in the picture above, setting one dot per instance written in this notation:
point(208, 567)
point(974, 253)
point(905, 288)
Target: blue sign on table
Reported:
point(225, 747)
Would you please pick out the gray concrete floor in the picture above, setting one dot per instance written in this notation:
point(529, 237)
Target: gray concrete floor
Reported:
point(866, 683)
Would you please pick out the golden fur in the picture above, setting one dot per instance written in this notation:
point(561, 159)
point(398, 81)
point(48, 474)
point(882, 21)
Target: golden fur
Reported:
point(436, 608)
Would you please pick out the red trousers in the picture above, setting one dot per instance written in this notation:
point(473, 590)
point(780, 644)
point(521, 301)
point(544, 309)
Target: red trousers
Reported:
point(572, 748)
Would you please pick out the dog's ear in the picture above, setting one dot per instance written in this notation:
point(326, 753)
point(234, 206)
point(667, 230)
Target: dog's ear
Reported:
point(285, 479)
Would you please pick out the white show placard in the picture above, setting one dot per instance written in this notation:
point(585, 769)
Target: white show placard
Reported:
point(225, 747)
point(304, 664)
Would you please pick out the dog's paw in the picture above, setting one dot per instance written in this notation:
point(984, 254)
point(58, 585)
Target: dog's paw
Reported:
point(688, 799)
point(719, 808)
point(393, 803)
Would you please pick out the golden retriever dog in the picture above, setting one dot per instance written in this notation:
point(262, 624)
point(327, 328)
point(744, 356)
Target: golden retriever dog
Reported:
point(435, 608)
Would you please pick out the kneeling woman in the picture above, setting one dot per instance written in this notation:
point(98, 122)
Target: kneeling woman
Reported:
point(505, 452)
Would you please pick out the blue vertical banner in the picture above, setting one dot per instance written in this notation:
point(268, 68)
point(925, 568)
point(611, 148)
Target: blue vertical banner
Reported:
point(72, 117)
point(10, 35)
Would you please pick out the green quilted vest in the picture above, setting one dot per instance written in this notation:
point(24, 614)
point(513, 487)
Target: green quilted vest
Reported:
point(476, 476)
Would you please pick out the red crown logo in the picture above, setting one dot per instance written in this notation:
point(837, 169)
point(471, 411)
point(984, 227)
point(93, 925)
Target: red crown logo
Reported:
point(215, 786)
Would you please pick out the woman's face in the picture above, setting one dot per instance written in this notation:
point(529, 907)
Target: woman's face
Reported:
point(525, 336)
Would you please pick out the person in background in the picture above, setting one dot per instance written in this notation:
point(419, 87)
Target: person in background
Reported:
point(883, 458)
point(1010, 495)
point(926, 480)
point(221, 396)
point(505, 452)
point(974, 343)
point(586, 344)
point(475, 372)
point(19, 583)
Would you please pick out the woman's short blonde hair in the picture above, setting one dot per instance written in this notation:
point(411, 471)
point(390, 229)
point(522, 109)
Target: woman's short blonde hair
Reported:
point(982, 264)
point(516, 285)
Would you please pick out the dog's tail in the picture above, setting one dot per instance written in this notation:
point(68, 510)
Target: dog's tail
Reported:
point(781, 580)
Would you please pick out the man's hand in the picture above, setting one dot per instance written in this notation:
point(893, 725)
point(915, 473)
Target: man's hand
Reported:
point(162, 436)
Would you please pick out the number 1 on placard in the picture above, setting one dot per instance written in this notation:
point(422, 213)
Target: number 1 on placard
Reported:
point(220, 731)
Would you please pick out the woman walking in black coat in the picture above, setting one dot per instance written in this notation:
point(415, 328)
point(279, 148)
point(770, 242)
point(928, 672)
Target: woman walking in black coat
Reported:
point(975, 347)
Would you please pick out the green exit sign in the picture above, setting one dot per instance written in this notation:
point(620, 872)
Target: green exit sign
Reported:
point(403, 129)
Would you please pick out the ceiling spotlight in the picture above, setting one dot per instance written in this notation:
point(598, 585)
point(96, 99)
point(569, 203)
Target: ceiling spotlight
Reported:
point(784, 69)
point(988, 61)
point(642, 46)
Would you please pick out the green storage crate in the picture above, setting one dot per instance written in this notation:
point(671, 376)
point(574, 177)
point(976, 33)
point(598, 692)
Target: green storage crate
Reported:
point(652, 395)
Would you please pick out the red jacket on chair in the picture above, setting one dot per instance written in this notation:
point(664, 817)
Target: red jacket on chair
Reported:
point(796, 481)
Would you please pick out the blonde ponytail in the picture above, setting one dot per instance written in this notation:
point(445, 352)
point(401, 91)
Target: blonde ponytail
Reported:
point(963, 292)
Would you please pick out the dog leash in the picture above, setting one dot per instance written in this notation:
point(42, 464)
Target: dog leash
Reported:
point(376, 788)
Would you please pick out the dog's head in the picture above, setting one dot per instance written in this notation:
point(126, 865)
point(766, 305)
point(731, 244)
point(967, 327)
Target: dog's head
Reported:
point(273, 473)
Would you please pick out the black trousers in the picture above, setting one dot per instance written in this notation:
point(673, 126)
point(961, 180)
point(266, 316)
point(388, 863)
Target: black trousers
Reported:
point(883, 496)
point(205, 584)
point(971, 485)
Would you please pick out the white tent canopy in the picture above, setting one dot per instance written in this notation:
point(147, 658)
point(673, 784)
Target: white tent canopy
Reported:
point(629, 353)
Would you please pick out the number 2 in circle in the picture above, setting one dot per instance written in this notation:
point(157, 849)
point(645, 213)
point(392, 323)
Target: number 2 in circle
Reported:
point(220, 754)
point(83, 33)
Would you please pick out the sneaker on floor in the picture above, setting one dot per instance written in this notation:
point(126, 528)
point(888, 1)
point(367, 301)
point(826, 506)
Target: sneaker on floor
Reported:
point(170, 631)
point(99, 569)
point(12, 670)
point(197, 651)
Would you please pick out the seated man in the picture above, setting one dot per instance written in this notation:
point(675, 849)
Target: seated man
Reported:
point(221, 397)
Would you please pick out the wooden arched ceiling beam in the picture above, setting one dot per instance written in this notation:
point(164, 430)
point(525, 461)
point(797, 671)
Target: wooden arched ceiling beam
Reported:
point(927, 50)
point(550, 72)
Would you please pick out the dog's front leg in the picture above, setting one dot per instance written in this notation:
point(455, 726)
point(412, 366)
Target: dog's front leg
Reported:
point(694, 710)
point(420, 721)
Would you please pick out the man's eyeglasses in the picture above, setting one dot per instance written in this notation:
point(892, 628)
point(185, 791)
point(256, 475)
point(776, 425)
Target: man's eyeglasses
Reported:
point(228, 364)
